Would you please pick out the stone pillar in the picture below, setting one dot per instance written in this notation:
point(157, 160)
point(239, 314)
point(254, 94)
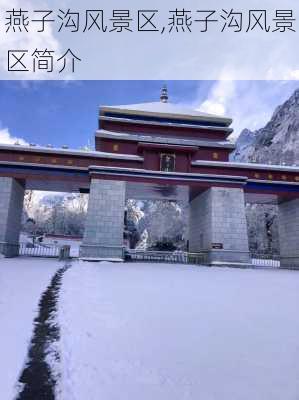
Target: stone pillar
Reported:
point(103, 236)
point(11, 207)
point(288, 223)
point(218, 226)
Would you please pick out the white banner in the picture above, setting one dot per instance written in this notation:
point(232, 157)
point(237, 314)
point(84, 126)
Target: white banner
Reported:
point(149, 39)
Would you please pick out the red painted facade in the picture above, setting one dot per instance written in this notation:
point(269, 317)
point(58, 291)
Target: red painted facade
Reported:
point(150, 160)
point(118, 146)
point(58, 159)
point(167, 131)
point(29, 163)
point(250, 172)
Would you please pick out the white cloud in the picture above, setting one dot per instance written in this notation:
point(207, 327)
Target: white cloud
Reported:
point(7, 138)
point(293, 74)
point(219, 98)
point(30, 40)
point(249, 103)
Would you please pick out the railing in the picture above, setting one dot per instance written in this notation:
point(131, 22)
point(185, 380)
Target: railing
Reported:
point(266, 260)
point(165, 257)
point(259, 260)
point(39, 250)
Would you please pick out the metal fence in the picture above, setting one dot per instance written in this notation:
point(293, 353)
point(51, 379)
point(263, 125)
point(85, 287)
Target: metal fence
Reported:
point(262, 260)
point(165, 257)
point(10, 250)
point(38, 250)
point(258, 260)
point(265, 260)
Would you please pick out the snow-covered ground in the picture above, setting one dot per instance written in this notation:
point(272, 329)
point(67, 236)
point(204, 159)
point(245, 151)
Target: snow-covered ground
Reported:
point(150, 331)
point(21, 283)
point(156, 331)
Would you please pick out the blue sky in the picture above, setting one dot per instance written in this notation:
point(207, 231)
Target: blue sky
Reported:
point(58, 113)
point(66, 113)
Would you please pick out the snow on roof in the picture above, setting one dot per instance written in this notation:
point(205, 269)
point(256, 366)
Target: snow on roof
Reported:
point(190, 124)
point(69, 152)
point(162, 139)
point(166, 110)
point(235, 164)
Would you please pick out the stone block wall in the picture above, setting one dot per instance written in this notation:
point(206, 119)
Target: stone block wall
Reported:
point(288, 222)
point(217, 217)
point(103, 236)
point(200, 222)
point(11, 207)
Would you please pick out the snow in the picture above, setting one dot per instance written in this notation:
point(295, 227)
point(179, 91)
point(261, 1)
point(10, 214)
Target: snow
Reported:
point(21, 283)
point(74, 243)
point(165, 108)
point(246, 165)
point(101, 133)
point(155, 331)
point(83, 153)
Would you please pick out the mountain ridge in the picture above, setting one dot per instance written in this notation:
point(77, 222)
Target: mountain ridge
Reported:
point(277, 142)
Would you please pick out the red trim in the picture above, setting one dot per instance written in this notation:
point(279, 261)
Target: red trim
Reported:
point(163, 147)
point(175, 182)
point(172, 131)
point(151, 162)
point(252, 173)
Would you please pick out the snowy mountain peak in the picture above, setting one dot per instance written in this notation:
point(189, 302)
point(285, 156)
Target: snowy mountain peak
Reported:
point(277, 142)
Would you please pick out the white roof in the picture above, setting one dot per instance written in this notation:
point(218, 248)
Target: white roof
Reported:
point(69, 152)
point(234, 164)
point(166, 110)
point(164, 140)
